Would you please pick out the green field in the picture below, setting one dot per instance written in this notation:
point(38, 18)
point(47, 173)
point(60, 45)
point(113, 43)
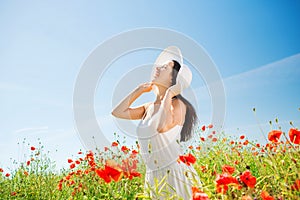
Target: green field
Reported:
point(229, 168)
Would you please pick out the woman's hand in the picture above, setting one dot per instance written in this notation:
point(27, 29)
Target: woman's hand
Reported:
point(145, 87)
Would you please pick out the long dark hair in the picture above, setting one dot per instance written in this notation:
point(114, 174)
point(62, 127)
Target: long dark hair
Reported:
point(190, 115)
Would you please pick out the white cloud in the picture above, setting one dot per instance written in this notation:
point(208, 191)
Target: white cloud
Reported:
point(32, 129)
point(13, 87)
point(273, 89)
point(281, 69)
point(284, 66)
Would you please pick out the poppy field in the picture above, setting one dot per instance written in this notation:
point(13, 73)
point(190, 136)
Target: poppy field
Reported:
point(228, 167)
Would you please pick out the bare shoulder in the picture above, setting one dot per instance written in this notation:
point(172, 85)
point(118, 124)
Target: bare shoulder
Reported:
point(178, 104)
point(179, 110)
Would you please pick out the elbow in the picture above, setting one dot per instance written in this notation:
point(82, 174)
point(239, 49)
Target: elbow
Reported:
point(116, 113)
point(113, 113)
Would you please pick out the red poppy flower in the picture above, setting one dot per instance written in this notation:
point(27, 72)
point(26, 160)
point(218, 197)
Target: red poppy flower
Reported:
point(13, 193)
point(187, 159)
point(72, 166)
point(32, 148)
point(202, 138)
point(203, 168)
point(227, 169)
point(28, 162)
point(222, 189)
point(106, 148)
point(248, 179)
point(274, 135)
point(265, 196)
point(59, 186)
point(210, 126)
point(197, 194)
point(294, 135)
point(129, 168)
point(72, 173)
point(68, 177)
point(242, 137)
point(296, 185)
point(7, 174)
point(191, 147)
point(70, 160)
point(108, 174)
point(1, 170)
point(203, 128)
point(91, 160)
point(71, 182)
point(134, 152)
point(224, 180)
point(114, 144)
point(77, 162)
point(90, 154)
point(78, 172)
point(125, 149)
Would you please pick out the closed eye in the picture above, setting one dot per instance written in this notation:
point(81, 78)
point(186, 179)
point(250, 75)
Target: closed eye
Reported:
point(164, 66)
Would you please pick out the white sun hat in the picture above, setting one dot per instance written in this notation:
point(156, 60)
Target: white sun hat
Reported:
point(184, 77)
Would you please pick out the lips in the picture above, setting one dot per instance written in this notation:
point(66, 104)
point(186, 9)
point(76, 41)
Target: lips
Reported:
point(156, 74)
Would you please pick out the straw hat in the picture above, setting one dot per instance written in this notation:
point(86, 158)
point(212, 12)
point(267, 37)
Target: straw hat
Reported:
point(184, 77)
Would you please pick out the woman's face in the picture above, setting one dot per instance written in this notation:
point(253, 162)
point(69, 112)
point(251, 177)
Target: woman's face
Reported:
point(163, 74)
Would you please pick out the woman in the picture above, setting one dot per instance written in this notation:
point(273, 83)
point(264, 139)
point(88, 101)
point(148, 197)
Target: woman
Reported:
point(164, 123)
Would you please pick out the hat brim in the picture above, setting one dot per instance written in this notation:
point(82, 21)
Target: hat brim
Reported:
point(168, 54)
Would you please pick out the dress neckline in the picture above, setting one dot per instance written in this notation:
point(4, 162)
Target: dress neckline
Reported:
point(177, 125)
point(147, 122)
point(152, 107)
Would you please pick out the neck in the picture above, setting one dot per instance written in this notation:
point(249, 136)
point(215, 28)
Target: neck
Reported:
point(161, 93)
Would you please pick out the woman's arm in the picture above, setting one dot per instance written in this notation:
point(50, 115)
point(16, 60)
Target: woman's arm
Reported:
point(123, 110)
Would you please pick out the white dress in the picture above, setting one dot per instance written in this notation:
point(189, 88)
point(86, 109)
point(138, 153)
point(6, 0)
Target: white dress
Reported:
point(160, 152)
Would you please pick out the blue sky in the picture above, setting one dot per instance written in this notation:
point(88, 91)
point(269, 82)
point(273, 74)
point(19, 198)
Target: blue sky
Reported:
point(254, 44)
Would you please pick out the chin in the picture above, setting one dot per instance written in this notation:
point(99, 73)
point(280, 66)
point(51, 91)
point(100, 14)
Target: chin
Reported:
point(154, 80)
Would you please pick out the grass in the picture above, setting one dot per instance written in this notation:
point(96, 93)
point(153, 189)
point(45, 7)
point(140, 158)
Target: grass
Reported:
point(229, 168)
